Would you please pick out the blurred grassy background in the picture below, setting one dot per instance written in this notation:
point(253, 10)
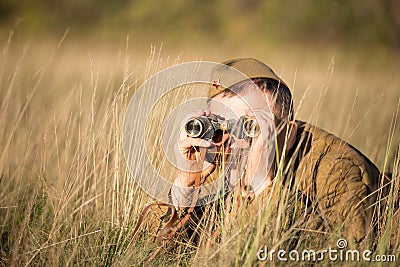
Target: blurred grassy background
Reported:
point(61, 108)
point(350, 48)
point(235, 23)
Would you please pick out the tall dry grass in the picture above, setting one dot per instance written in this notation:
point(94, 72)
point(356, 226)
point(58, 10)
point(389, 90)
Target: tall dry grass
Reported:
point(66, 195)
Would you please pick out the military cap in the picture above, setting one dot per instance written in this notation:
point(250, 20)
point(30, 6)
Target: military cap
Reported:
point(236, 70)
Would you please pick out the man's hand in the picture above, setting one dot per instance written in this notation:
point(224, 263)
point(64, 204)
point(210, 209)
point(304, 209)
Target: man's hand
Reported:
point(190, 154)
point(261, 153)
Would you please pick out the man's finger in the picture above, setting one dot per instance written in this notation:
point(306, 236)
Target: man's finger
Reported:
point(249, 113)
point(190, 142)
point(197, 113)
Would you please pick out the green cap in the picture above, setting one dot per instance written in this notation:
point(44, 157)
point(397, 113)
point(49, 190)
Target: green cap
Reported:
point(236, 70)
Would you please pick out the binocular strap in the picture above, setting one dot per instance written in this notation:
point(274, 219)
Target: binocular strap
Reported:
point(173, 225)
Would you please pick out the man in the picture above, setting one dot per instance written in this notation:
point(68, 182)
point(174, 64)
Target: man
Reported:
point(333, 187)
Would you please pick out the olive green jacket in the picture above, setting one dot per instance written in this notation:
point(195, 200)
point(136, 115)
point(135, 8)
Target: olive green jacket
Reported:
point(338, 182)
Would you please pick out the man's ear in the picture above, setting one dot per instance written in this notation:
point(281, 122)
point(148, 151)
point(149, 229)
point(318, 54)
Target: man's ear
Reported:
point(291, 139)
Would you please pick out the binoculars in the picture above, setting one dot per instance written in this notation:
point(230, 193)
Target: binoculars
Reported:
point(212, 128)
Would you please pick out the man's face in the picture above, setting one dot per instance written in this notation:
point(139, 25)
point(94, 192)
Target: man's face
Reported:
point(261, 149)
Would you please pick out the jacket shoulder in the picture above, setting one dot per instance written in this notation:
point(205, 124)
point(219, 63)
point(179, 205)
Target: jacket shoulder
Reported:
point(328, 156)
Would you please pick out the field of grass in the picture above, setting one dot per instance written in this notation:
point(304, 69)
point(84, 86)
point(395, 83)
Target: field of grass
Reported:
point(66, 195)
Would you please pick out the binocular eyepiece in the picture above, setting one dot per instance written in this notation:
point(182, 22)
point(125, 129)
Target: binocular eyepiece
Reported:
point(212, 128)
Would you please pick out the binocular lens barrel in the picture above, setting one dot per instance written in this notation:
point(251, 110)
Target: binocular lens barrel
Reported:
point(194, 128)
point(251, 127)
